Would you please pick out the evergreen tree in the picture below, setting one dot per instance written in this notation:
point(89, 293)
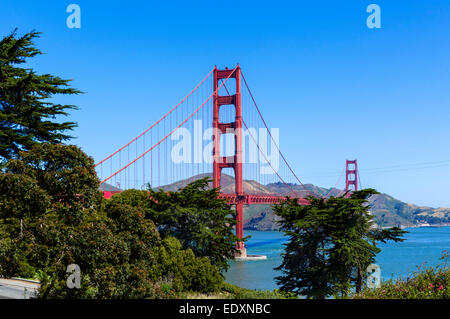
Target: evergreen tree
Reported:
point(332, 241)
point(27, 116)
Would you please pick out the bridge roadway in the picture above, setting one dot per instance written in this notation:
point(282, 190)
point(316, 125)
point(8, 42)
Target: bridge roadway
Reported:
point(232, 199)
point(258, 199)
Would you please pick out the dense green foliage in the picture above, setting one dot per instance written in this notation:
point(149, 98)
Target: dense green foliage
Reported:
point(52, 215)
point(425, 283)
point(194, 215)
point(26, 115)
point(331, 244)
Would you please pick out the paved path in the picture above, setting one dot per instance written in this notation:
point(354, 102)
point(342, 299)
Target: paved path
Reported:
point(17, 288)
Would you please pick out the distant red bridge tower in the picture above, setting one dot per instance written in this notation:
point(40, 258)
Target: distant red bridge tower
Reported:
point(234, 161)
point(351, 176)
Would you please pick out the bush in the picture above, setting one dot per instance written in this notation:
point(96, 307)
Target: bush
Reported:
point(181, 270)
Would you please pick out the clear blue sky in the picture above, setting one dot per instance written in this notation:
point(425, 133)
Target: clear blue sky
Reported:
point(316, 70)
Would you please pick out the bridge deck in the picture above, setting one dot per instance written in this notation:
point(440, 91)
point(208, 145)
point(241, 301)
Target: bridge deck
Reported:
point(233, 198)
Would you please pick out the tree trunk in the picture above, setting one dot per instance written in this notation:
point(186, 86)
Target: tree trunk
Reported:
point(359, 281)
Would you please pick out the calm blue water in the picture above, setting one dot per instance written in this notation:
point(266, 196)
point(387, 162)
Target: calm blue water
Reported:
point(422, 245)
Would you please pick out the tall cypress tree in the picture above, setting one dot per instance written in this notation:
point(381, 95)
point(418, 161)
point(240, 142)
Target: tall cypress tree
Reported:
point(331, 243)
point(27, 116)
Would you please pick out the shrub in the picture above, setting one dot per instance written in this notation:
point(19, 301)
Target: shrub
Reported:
point(183, 270)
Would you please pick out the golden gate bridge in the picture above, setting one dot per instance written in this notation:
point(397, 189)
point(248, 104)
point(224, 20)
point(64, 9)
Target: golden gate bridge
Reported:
point(239, 146)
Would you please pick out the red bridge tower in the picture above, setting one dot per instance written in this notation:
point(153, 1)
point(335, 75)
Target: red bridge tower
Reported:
point(351, 176)
point(234, 161)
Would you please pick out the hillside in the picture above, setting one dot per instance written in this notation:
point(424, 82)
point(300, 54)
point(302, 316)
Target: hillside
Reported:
point(387, 210)
point(109, 188)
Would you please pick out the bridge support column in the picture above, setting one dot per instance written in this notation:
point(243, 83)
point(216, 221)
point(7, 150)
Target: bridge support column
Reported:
point(242, 251)
point(235, 161)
